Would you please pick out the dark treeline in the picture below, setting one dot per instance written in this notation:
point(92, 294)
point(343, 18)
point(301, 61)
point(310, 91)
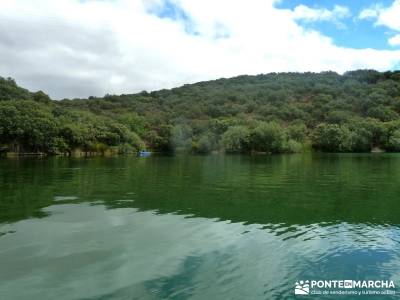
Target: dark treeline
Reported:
point(273, 113)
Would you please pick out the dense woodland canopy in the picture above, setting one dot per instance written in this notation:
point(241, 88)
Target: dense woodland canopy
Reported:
point(273, 113)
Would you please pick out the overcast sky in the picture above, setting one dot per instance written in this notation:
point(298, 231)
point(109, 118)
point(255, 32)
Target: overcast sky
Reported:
point(79, 48)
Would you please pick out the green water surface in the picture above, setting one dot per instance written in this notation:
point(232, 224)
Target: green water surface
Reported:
point(196, 227)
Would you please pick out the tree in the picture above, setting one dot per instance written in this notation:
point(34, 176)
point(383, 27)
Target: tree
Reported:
point(274, 113)
point(27, 126)
point(332, 138)
point(297, 132)
point(394, 141)
point(40, 96)
point(181, 137)
point(205, 144)
point(9, 90)
point(236, 139)
point(382, 113)
point(268, 137)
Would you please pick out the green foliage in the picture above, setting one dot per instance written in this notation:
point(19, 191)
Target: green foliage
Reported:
point(338, 117)
point(236, 139)
point(59, 146)
point(40, 96)
point(268, 137)
point(390, 138)
point(292, 146)
point(382, 113)
point(134, 122)
point(181, 137)
point(394, 141)
point(332, 138)
point(205, 144)
point(362, 135)
point(273, 113)
point(297, 132)
point(26, 125)
point(9, 90)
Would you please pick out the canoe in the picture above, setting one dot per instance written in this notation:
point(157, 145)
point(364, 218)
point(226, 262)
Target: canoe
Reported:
point(144, 153)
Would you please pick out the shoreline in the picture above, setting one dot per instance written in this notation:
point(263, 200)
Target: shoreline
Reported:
point(99, 154)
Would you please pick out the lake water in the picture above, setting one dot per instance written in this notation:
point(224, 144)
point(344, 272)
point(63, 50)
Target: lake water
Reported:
point(196, 227)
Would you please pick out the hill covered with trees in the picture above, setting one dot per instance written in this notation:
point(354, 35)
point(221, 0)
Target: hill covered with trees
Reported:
point(273, 113)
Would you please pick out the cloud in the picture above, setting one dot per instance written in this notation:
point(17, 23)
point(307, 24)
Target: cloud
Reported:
point(302, 12)
point(390, 16)
point(395, 40)
point(369, 13)
point(75, 48)
point(385, 16)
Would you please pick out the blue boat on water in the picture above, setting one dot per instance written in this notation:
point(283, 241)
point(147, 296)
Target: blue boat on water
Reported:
point(144, 153)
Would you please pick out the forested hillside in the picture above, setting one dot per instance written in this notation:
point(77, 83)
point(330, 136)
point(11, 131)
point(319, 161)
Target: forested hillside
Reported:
point(272, 113)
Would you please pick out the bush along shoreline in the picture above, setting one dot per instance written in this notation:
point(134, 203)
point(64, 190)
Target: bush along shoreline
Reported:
point(269, 113)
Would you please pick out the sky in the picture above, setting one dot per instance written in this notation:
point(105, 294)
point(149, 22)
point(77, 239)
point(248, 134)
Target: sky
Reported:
point(82, 48)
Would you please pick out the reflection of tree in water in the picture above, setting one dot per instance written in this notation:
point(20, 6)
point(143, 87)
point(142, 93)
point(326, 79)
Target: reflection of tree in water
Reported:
point(287, 189)
point(210, 276)
point(182, 285)
point(178, 286)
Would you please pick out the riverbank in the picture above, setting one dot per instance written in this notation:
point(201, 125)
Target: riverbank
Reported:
point(115, 153)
